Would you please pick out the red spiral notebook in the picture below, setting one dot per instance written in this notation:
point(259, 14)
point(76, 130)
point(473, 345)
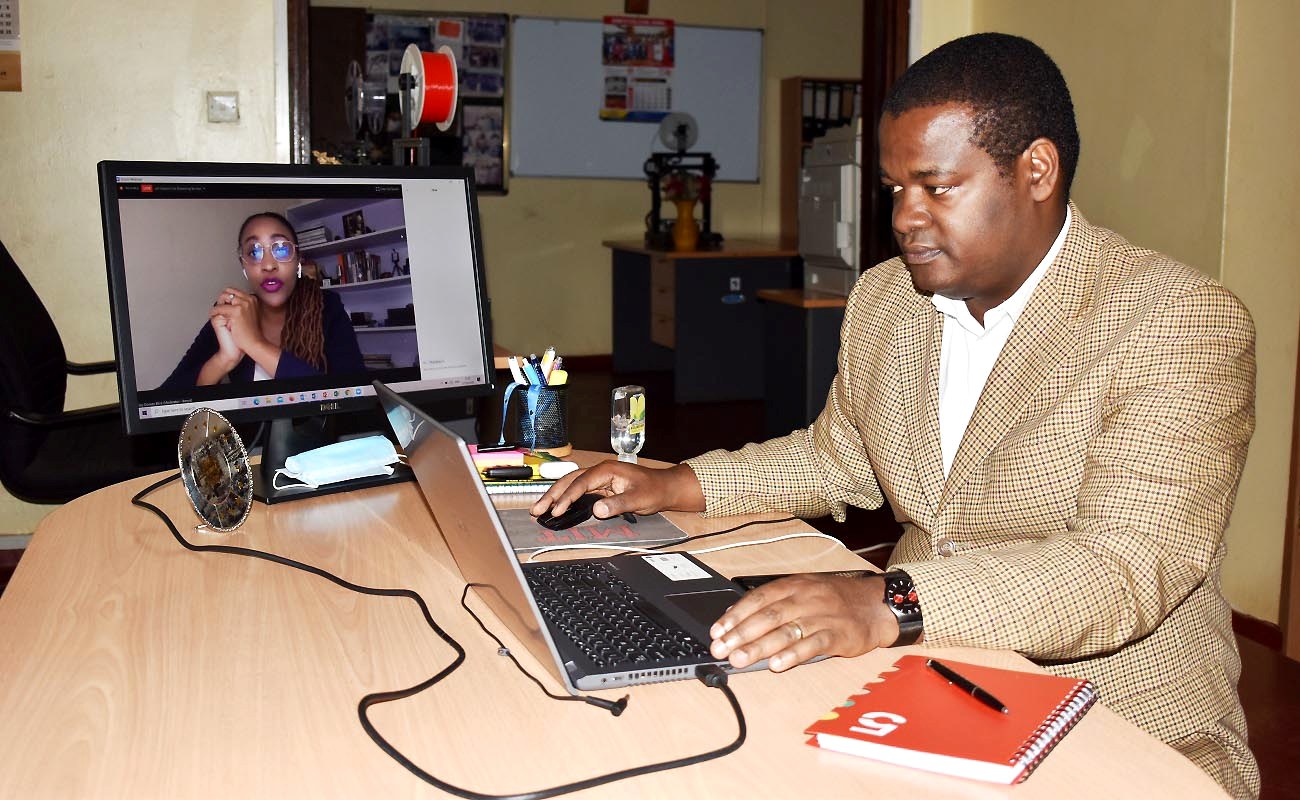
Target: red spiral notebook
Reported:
point(914, 717)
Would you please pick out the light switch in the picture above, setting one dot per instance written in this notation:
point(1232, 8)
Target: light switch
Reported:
point(223, 106)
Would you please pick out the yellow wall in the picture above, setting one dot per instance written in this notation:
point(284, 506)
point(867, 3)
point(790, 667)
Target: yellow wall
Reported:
point(1150, 88)
point(135, 91)
point(121, 80)
point(937, 21)
point(1187, 148)
point(1260, 241)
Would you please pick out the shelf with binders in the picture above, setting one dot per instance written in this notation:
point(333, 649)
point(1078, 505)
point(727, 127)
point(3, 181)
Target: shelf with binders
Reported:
point(809, 108)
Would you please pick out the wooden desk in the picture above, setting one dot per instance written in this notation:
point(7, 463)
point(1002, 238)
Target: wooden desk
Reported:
point(801, 345)
point(499, 356)
point(695, 313)
point(130, 667)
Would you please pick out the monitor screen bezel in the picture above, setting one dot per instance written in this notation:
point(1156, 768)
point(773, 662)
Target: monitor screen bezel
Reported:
point(120, 312)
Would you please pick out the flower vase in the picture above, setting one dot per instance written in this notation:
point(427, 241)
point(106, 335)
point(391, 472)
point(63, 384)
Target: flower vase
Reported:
point(686, 231)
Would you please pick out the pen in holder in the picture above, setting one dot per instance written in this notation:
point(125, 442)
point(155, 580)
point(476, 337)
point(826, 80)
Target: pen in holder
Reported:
point(542, 422)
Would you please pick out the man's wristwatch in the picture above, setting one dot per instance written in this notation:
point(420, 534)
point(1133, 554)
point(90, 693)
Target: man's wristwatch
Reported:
point(900, 597)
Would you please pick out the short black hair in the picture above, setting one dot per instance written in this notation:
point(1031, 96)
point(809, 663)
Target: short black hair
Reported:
point(1016, 91)
point(279, 218)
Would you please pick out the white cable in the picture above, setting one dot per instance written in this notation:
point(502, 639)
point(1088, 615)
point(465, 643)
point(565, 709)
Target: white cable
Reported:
point(869, 548)
point(626, 548)
point(808, 535)
point(537, 553)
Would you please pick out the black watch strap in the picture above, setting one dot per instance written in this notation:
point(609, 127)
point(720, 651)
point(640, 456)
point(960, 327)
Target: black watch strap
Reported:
point(900, 598)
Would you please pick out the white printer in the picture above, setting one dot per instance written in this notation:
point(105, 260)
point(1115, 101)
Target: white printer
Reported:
point(830, 191)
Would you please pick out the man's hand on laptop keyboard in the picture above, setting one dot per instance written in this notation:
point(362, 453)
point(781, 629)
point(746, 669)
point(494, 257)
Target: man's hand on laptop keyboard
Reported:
point(794, 619)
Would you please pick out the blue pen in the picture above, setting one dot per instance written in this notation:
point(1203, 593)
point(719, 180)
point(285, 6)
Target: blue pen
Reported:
point(534, 377)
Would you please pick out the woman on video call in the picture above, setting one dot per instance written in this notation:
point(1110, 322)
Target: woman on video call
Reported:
point(282, 326)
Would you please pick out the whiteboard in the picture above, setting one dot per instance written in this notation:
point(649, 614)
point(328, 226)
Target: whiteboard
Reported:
point(557, 83)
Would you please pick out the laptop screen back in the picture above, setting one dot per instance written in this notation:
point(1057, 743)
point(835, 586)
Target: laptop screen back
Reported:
point(469, 524)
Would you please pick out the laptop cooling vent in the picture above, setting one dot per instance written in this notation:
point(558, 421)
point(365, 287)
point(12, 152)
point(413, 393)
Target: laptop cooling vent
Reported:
point(668, 674)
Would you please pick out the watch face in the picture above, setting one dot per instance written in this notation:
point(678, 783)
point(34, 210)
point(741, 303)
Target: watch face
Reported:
point(214, 470)
point(901, 595)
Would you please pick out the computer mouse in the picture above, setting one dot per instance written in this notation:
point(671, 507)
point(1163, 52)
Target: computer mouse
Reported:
point(579, 511)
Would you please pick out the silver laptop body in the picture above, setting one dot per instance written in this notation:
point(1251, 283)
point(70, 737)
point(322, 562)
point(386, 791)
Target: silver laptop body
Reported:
point(675, 586)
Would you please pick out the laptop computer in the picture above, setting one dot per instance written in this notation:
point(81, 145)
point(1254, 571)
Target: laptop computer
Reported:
point(595, 623)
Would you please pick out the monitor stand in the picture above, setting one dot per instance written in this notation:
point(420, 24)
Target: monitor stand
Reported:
point(286, 437)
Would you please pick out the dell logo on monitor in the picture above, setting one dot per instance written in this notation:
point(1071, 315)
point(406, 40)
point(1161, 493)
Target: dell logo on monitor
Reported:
point(329, 406)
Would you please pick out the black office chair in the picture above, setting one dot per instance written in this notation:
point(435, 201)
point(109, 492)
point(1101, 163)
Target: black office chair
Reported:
point(48, 455)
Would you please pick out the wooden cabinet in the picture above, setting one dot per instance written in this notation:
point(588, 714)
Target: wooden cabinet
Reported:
point(801, 346)
point(696, 313)
point(809, 107)
point(663, 302)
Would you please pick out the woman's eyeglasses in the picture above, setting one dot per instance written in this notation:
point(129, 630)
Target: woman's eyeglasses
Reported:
point(282, 250)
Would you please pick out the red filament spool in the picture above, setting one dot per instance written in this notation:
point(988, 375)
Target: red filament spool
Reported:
point(433, 99)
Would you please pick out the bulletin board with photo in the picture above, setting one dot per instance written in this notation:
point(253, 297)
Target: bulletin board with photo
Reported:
point(478, 137)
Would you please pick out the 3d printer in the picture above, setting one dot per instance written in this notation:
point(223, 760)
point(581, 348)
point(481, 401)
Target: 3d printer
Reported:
point(678, 130)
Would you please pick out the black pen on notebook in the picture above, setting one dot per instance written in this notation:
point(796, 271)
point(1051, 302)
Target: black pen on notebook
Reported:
point(966, 685)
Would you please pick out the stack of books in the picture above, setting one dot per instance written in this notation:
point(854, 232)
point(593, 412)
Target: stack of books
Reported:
point(310, 237)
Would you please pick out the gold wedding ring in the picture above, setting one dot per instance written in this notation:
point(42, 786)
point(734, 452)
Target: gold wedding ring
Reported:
point(798, 629)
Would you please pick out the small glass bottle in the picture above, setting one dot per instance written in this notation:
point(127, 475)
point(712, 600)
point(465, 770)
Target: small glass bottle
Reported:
point(627, 422)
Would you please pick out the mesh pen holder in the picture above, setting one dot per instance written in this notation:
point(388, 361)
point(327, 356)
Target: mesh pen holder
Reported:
point(543, 419)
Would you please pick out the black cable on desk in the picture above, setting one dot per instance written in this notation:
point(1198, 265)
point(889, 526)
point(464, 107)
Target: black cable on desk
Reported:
point(710, 675)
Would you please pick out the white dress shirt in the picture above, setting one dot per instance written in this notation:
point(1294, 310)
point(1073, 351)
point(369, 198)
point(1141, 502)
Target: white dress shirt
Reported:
point(970, 350)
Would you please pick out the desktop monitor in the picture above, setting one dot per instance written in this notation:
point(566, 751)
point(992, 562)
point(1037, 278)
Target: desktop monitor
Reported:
point(271, 292)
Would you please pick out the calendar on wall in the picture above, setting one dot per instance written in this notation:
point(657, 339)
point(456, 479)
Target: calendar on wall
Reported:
point(11, 74)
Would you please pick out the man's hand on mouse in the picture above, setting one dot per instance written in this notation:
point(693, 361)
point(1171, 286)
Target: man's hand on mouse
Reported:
point(626, 487)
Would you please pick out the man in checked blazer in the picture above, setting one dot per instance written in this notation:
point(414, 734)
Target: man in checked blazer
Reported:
point(1058, 417)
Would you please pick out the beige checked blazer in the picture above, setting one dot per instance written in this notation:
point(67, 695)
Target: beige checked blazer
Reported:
point(1082, 522)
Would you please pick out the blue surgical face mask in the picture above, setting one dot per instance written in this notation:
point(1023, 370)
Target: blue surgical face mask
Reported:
point(355, 458)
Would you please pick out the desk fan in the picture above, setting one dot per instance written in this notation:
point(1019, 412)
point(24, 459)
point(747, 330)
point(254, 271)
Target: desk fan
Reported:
point(214, 470)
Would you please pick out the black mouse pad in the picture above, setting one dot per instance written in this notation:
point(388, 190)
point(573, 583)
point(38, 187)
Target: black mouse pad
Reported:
point(526, 535)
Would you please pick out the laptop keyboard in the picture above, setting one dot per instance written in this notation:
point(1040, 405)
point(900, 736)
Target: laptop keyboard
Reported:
point(608, 621)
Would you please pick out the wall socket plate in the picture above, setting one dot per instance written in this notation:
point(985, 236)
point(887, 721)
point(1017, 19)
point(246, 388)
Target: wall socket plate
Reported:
point(223, 106)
